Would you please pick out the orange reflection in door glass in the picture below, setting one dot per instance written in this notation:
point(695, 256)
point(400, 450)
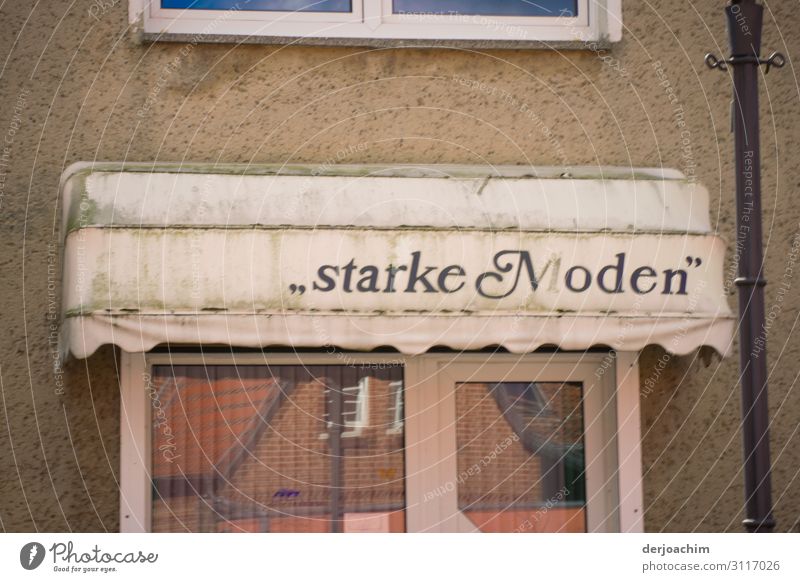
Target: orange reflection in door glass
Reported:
point(520, 456)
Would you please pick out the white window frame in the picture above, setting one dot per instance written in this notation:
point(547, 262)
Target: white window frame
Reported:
point(372, 21)
point(355, 428)
point(429, 429)
point(398, 411)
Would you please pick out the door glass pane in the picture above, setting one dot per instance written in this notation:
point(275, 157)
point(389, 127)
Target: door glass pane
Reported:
point(265, 5)
point(276, 449)
point(552, 8)
point(520, 456)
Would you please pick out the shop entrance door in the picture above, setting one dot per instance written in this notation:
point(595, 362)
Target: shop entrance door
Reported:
point(440, 442)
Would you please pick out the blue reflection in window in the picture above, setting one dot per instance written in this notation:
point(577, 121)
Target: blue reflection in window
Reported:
point(488, 7)
point(266, 5)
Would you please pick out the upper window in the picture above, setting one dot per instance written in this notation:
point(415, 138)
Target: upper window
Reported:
point(368, 21)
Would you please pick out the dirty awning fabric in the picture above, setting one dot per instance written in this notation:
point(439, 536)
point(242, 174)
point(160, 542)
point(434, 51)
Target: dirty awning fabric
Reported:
point(360, 257)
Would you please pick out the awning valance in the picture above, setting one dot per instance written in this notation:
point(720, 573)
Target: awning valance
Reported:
point(360, 257)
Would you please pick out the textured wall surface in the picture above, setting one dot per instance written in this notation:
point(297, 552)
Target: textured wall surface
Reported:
point(74, 87)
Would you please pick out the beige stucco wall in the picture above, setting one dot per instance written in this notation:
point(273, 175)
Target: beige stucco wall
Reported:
point(79, 88)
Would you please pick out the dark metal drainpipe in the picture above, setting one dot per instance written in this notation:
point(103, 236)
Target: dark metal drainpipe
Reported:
point(744, 33)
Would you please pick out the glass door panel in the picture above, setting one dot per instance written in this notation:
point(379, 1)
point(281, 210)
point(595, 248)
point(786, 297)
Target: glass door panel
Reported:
point(520, 456)
point(504, 443)
point(286, 448)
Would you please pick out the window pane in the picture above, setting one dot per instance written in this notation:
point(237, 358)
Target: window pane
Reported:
point(488, 7)
point(266, 5)
point(258, 448)
point(520, 456)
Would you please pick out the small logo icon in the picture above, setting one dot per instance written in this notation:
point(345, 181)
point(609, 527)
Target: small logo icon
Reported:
point(286, 493)
point(31, 555)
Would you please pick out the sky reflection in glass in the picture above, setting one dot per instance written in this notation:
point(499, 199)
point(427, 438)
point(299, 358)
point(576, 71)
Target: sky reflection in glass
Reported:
point(266, 5)
point(489, 7)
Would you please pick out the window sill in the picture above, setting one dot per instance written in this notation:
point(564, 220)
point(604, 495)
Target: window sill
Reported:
point(588, 45)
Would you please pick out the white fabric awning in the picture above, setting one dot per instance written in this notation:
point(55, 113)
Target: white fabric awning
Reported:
point(360, 257)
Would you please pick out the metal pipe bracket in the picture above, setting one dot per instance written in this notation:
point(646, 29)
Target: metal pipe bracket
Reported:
point(776, 60)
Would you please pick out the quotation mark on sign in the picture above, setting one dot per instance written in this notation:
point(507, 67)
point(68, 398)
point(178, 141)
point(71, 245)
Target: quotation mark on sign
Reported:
point(697, 261)
point(297, 289)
